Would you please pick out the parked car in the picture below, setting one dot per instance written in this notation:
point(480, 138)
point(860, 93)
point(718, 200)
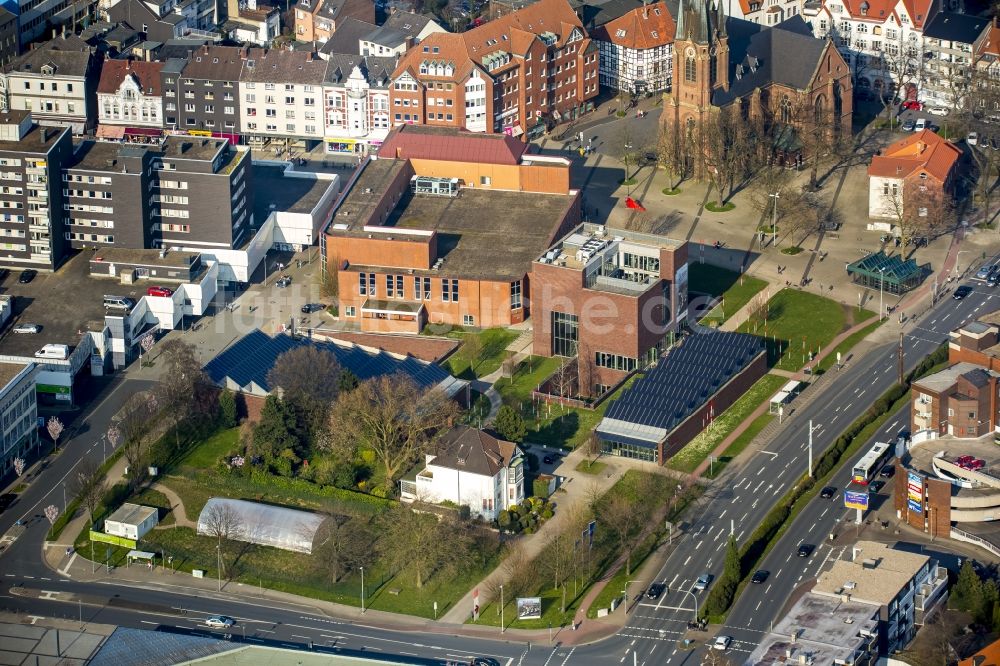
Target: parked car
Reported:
point(828, 492)
point(160, 291)
point(701, 584)
point(4, 272)
point(655, 590)
point(283, 281)
point(27, 275)
point(27, 328)
point(994, 143)
point(920, 124)
point(938, 110)
point(548, 460)
point(760, 576)
point(805, 549)
point(965, 459)
point(309, 308)
point(887, 472)
point(908, 125)
point(912, 105)
point(219, 622)
point(962, 292)
point(972, 139)
point(875, 486)
point(722, 643)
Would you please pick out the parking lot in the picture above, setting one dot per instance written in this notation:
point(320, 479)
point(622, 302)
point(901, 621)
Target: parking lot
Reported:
point(63, 304)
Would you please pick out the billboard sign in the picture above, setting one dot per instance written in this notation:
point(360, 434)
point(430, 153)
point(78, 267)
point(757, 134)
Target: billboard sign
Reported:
point(914, 492)
point(856, 500)
point(529, 608)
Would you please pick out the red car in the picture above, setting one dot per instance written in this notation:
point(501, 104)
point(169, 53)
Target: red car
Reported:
point(912, 105)
point(977, 464)
point(965, 459)
point(159, 291)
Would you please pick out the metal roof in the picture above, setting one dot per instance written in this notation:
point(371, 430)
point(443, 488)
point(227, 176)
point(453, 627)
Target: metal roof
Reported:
point(250, 358)
point(683, 380)
point(152, 648)
point(892, 268)
point(266, 524)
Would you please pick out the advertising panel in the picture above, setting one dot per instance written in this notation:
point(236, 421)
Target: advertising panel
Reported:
point(529, 608)
point(914, 492)
point(856, 499)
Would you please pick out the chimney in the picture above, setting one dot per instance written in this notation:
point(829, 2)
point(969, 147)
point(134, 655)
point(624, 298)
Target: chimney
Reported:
point(855, 551)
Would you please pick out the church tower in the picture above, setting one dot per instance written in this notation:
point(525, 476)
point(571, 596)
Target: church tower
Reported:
point(701, 62)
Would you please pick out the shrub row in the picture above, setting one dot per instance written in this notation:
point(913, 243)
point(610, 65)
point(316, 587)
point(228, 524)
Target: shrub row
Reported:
point(304, 490)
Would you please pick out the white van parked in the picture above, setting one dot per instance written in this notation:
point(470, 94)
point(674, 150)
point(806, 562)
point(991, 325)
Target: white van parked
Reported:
point(60, 352)
point(118, 303)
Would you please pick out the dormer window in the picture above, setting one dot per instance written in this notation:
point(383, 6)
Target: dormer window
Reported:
point(657, 11)
point(655, 34)
point(620, 34)
point(406, 26)
point(864, 8)
point(48, 70)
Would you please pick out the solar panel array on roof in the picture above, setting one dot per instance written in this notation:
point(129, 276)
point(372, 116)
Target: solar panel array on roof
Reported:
point(251, 358)
point(151, 648)
point(685, 379)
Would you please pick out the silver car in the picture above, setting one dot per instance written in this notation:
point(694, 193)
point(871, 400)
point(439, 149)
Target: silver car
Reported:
point(27, 328)
point(701, 584)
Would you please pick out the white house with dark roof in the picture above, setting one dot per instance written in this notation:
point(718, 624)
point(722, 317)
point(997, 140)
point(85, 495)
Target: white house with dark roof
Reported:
point(400, 31)
point(130, 93)
point(356, 102)
point(56, 82)
point(473, 468)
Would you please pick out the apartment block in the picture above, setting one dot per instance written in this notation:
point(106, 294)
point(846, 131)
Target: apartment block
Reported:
point(281, 95)
point(960, 401)
point(516, 75)
point(188, 193)
point(109, 195)
point(202, 98)
point(905, 588)
point(19, 413)
point(610, 297)
point(56, 82)
point(950, 41)
point(356, 102)
point(409, 242)
point(31, 201)
point(317, 20)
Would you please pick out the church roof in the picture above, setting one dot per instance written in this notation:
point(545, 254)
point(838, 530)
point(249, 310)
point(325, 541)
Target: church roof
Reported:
point(697, 20)
point(786, 54)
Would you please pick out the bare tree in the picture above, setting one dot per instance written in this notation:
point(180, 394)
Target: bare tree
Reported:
point(134, 424)
point(672, 154)
point(559, 557)
point(918, 210)
point(415, 542)
point(564, 379)
point(725, 140)
point(223, 523)
point(86, 484)
point(392, 417)
point(344, 545)
point(472, 344)
point(178, 389)
point(618, 513)
point(308, 375)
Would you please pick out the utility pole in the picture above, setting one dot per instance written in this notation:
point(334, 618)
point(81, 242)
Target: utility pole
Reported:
point(774, 218)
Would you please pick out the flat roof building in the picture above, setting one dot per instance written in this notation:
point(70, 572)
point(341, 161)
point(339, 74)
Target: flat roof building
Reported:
point(609, 297)
point(681, 395)
point(410, 242)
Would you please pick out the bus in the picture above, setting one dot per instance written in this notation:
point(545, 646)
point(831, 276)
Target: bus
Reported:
point(870, 463)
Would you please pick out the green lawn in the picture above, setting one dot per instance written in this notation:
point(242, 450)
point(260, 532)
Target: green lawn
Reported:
point(208, 453)
point(590, 467)
point(155, 498)
point(733, 290)
point(616, 586)
point(844, 347)
point(797, 323)
point(492, 344)
point(698, 449)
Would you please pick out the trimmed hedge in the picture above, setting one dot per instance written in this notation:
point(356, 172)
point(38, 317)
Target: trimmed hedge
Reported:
point(723, 593)
point(307, 489)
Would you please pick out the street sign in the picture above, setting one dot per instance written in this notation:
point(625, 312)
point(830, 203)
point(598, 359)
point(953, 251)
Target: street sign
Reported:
point(856, 500)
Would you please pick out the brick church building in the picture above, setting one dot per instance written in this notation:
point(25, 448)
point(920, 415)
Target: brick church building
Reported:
point(771, 73)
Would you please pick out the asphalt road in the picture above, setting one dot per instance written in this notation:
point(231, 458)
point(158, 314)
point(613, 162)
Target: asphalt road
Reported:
point(736, 502)
point(743, 495)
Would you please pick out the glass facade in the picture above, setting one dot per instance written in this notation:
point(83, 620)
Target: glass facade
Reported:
point(565, 334)
point(634, 451)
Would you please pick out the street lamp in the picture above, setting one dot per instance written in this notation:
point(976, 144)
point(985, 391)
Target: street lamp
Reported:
point(695, 597)
point(625, 592)
point(811, 428)
point(362, 589)
point(774, 218)
point(628, 186)
point(501, 610)
point(218, 555)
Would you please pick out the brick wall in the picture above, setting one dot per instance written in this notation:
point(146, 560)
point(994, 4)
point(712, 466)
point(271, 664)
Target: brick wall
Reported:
point(937, 505)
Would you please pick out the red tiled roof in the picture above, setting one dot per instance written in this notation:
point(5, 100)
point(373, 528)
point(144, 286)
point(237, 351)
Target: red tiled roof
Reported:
point(991, 45)
point(922, 151)
point(147, 73)
point(439, 143)
point(988, 656)
point(642, 28)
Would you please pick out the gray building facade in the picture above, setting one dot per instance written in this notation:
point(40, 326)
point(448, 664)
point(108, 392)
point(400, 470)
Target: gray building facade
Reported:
point(31, 199)
point(205, 94)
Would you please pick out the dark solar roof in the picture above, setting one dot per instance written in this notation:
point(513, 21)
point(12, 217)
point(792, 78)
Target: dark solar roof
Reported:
point(685, 379)
point(153, 648)
point(895, 267)
point(251, 357)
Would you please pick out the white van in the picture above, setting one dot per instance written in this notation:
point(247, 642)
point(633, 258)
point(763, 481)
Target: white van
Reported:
point(60, 352)
point(921, 124)
point(118, 303)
